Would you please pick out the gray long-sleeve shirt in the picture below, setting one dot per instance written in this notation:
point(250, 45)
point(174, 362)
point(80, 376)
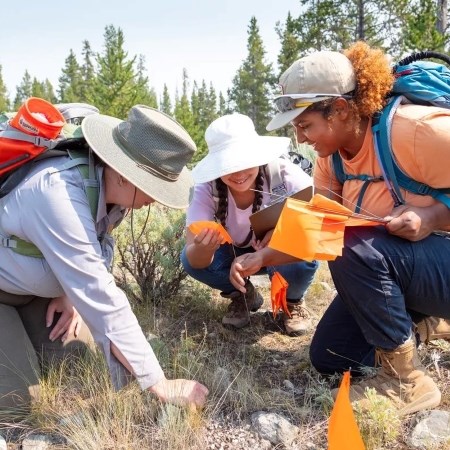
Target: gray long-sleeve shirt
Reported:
point(51, 210)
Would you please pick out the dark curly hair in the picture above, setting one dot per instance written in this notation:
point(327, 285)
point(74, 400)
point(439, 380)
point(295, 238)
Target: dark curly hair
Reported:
point(374, 81)
point(222, 208)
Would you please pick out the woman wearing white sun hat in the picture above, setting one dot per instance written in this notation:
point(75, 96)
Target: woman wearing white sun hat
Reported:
point(232, 182)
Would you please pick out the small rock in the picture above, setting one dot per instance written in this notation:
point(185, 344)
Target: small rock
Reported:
point(150, 337)
point(431, 429)
point(36, 442)
point(288, 385)
point(274, 428)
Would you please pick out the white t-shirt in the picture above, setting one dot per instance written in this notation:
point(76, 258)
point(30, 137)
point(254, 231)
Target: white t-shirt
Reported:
point(203, 205)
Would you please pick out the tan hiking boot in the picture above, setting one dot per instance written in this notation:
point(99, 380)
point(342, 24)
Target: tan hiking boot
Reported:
point(431, 328)
point(238, 315)
point(300, 320)
point(403, 379)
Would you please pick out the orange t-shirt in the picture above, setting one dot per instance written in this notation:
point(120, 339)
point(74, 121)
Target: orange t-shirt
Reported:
point(421, 145)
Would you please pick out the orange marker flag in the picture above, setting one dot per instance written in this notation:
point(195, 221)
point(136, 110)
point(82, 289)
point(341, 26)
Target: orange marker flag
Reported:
point(343, 431)
point(278, 291)
point(314, 230)
point(197, 227)
point(305, 233)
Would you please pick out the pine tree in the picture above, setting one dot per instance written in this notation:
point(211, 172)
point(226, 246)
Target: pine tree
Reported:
point(87, 71)
point(4, 101)
point(323, 25)
point(336, 24)
point(165, 103)
point(290, 45)
point(183, 114)
point(211, 111)
point(204, 110)
point(222, 105)
point(23, 91)
point(69, 89)
point(49, 92)
point(423, 26)
point(114, 86)
point(144, 94)
point(253, 84)
point(37, 88)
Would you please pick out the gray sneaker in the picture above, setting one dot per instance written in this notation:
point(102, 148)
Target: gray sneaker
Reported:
point(238, 315)
point(300, 320)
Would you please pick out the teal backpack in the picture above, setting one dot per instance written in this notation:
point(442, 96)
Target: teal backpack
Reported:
point(418, 82)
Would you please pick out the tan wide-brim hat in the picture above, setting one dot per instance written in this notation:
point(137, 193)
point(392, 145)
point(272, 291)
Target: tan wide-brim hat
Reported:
point(149, 149)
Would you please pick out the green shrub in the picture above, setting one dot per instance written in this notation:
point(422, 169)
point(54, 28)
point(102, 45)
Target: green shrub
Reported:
point(148, 248)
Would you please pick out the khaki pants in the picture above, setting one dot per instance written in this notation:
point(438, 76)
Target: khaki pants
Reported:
point(25, 347)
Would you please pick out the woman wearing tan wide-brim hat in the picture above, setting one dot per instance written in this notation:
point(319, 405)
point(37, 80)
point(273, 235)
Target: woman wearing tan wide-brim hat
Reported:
point(137, 162)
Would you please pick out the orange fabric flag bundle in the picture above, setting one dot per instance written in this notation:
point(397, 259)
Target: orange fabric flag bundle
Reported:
point(314, 229)
point(278, 291)
point(197, 227)
point(343, 431)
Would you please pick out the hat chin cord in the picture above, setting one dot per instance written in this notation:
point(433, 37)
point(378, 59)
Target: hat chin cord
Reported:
point(134, 240)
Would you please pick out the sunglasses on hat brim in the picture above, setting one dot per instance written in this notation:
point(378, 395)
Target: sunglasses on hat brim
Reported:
point(286, 103)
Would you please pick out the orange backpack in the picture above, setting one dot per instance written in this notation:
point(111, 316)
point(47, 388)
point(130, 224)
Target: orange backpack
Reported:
point(34, 129)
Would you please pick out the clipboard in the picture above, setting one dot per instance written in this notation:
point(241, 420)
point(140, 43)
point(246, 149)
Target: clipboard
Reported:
point(265, 219)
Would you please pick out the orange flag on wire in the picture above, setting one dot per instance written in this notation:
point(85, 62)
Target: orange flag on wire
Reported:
point(278, 291)
point(343, 431)
point(197, 227)
point(314, 229)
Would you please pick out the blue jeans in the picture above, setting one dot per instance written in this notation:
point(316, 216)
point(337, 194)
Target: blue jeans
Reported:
point(299, 274)
point(383, 282)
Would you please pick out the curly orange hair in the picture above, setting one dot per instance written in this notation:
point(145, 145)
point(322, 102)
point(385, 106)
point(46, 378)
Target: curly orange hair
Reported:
point(374, 78)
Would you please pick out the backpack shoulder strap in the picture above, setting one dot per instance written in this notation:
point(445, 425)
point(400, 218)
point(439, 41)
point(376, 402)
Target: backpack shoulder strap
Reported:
point(277, 185)
point(381, 129)
point(338, 168)
point(91, 185)
point(39, 141)
point(394, 177)
point(342, 177)
point(86, 166)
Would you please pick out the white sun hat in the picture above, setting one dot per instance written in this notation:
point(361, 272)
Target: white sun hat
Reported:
point(234, 145)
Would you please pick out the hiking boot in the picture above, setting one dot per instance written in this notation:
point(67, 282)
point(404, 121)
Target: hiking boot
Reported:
point(238, 315)
point(300, 320)
point(431, 328)
point(402, 378)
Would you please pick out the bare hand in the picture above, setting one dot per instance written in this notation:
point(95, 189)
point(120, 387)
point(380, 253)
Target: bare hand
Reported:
point(69, 322)
point(244, 266)
point(258, 245)
point(209, 239)
point(181, 392)
point(409, 222)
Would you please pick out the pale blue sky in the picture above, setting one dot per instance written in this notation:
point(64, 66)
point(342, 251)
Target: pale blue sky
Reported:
point(207, 37)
